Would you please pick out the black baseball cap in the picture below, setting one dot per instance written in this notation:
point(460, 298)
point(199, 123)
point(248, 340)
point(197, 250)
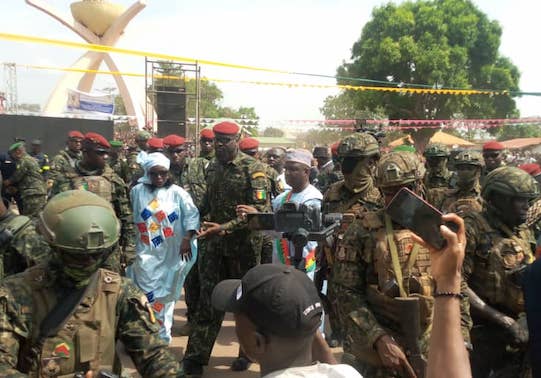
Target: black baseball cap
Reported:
point(278, 299)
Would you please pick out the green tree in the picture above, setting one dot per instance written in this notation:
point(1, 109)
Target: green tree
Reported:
point(273, 132)
point(519, 131)
point(441, 43)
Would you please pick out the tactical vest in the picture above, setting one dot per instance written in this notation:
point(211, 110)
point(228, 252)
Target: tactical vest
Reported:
point(86, 339)
point(417, 278)
point(8, 232)
point(496, 276)
point(463, 205)
point(100, 185)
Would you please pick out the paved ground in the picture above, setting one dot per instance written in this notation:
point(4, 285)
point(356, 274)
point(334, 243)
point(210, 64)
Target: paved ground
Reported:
point(225, 349)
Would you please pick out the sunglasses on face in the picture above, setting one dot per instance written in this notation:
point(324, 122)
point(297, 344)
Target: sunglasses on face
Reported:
point(178, 151)
point(206, 140)
point(102, 152)
point(491, 154)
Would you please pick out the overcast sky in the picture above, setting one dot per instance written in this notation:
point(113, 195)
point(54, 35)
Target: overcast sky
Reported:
point(293, 35)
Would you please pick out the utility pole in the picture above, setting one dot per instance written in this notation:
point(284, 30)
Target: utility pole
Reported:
point(10, 85)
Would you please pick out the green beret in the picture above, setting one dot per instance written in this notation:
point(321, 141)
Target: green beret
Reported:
point(404, 147)
point(116, 143)
point(15, 145)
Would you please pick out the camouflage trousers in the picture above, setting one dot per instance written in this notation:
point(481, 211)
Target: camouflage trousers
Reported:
point(214, 267)
point(493, 357)
point(334, 317)
point(192, 286)
point(32, 205)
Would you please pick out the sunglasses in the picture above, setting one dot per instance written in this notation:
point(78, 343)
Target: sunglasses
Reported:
point(101, 152)
point(178, 150)
point(224, 140)
point(491, 154)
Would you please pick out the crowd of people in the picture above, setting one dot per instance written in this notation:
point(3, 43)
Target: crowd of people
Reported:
point(106, 238)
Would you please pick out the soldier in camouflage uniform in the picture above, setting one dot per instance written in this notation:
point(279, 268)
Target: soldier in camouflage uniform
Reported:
point(437, 175)
point(27, 180)
point(64, 318)
point(467, 194)
point(250, 146)
point(94, 175)
point(137, 155)
point(233, 178)
point(357, 193)
point(379, 262)
point(326, 175)
point(206, 143)
point(41, 158)
point(118, 162)
point(175, 149)
point(499, 246)
point(65, 160)
point(20, 245)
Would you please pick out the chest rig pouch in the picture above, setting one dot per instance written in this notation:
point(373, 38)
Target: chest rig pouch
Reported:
point(498, 267)
point(85, 339)
point(99, 185)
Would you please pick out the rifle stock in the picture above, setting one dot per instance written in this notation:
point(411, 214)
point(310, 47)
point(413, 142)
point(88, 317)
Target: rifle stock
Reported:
point(403, 314)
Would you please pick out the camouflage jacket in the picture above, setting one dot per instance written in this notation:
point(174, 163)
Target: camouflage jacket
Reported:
point(118, 197)
point(364, 260)
point(136, 171)
point(194, 179)
point(27, 298)
point(241, 181)
point(121, 168)
point(27, 177)
point(440, 180)
point(456, 200)
point(327, 176)
point(62, 163)
point(339, 199)
point(493, 254)
point(23, 248)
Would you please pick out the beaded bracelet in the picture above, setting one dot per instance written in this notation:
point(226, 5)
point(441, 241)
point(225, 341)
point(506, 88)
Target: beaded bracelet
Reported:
point(449, 294)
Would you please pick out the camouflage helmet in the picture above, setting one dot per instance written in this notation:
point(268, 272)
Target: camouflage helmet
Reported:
point(358, 145)
point(469, 158)
point(436, 150)
point(510, 181)
point(398, 168)
point(79, 221)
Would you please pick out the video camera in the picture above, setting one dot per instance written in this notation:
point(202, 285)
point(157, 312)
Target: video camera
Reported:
point(297, 223)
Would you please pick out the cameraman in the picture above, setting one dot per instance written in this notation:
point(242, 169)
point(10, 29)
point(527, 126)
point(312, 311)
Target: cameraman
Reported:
point(297, 175)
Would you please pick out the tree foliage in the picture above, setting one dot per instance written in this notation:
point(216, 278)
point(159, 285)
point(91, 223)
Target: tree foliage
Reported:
point(441, 43)
point(273, 132)
point(519, 131)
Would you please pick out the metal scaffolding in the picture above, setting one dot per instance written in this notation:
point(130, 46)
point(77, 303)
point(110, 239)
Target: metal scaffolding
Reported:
point(10, 87)
point(169, 79)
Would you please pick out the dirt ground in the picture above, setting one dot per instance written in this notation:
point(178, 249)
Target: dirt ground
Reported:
point(225, 349)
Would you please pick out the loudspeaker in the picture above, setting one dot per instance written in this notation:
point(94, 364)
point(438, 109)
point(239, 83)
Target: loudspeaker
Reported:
point(171, 104)
point(171, 127)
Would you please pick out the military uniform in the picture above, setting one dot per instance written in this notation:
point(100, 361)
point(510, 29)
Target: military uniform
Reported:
point(136, 171)
point(326, 177)
point(365, 264)
point(241, 181)
point(378, 270)
point(456, 200)
point(111, 309)
point(29, 183)
point(491, 256)
point(437, 176)
point(62, 163)
point(339, 199)
point(121, 168)
point(108, 185)
point(43, 162)
point(21, 246)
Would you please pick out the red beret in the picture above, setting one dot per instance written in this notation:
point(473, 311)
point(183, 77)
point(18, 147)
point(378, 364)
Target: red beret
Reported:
point(76, 134)
point(228, 128)
point(334, 148)
point(248, 144)
point(493, 145)
point(207, 133)
point(97, 139)
point(155, 142)
point(531, 168)
point(173, 140)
